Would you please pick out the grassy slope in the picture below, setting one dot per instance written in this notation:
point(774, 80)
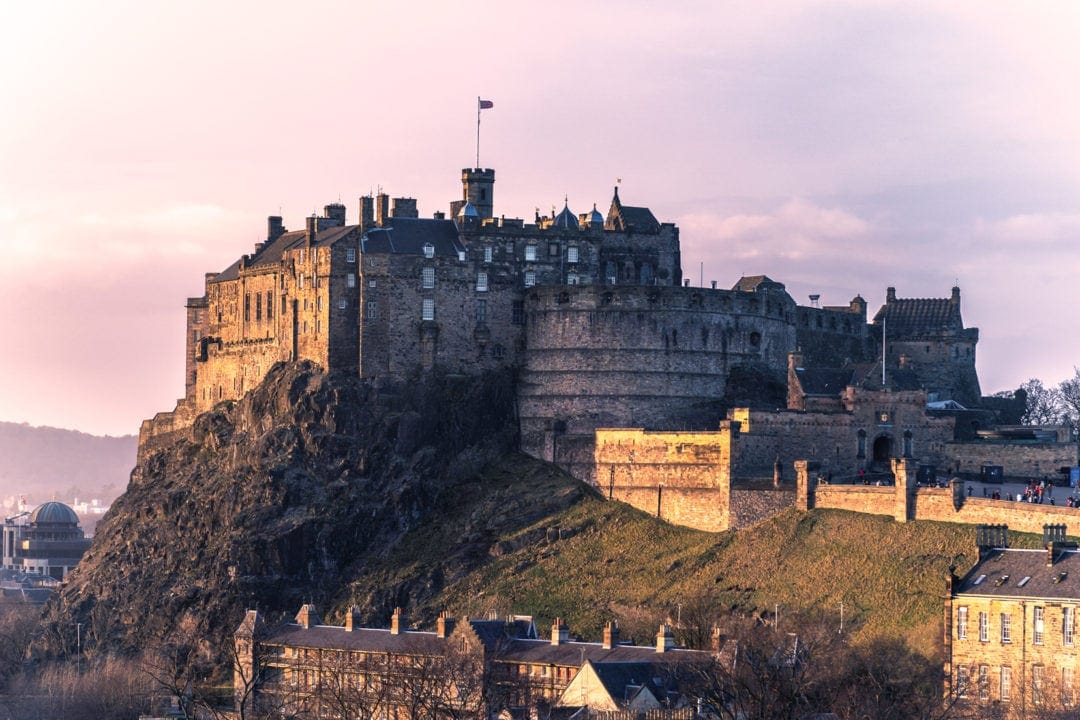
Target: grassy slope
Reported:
point(497, 548)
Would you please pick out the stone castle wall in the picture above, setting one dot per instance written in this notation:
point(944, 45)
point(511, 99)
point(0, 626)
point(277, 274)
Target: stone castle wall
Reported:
point(622, 356)
point(678, 477)
point(1019, 460)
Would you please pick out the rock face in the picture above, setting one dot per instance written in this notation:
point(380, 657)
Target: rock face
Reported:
point(277, 500)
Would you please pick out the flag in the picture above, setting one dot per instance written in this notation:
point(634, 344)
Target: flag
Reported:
point(486, 104)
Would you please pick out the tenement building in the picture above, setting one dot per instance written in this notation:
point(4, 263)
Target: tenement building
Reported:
point(465, 668)
point(1010, 627)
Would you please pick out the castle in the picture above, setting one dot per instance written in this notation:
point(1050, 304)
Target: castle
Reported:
point(604, 332)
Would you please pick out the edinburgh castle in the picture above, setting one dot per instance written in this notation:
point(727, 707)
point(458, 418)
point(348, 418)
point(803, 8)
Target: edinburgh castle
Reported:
point(593, 315)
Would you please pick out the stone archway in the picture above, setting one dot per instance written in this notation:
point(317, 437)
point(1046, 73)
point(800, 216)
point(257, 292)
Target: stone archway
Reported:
point(882, 452)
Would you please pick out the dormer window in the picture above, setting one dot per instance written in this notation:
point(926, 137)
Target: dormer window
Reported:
point(429, 250)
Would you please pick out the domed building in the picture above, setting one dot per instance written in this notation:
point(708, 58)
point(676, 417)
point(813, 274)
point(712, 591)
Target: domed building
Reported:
point(48, 542)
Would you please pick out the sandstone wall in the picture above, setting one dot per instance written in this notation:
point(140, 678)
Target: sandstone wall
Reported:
point(679, 477)
point(624, 356)
point(1019, 460)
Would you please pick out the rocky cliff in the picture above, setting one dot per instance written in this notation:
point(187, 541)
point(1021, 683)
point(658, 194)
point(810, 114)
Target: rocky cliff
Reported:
point(278, 499)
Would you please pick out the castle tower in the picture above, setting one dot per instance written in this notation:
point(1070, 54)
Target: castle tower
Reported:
point(478, 189)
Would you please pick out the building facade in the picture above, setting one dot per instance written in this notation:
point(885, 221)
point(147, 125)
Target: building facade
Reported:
point(466, 668)
point(48, 542)
point(1010, 627)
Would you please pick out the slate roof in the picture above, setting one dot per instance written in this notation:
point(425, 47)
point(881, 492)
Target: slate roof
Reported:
point(624, 680)
point(574, 653)
point(1019, 564)
point(868, 376)
point(753, 283)
point(271, 253)
point(361, 639)
point(628, 217)
point(409, 235)
point(908, 318)
point(824, 381)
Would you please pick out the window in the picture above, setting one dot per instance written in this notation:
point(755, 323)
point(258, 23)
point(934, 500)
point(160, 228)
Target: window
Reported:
point(318, 303)
point(247, 307)
point(517, 312)
point(269, 305)
point(350, 255)
point(984, 682)
point(488, 253)
point(429, 250)
point(350, 280)
point(530, 253)
point(284, 305)
point(571, 279)
point(301, 256)
point(372, 309)
point(530, 278)
point(611, 272)
point(372, 283)
point(553, 249)
point(300, 281)
point(481, 311)
point(961, 623)
point(962, 681)
point(1037, 625)
point(1005, 689)
point(342, 304)
point(258, 307)
point(862, 444)
point(1006, 628)
point(984, 627)
point(481, 282)
point(1068, 697)
point(1037, 684)
point(428, 278)
point(1068, 625)
point(572, 254)
point(907, 444)
point(428, 310)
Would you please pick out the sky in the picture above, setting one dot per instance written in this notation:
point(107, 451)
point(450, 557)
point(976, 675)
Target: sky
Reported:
point(838, 147)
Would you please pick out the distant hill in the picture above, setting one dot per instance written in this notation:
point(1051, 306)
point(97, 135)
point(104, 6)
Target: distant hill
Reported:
point(43, 462)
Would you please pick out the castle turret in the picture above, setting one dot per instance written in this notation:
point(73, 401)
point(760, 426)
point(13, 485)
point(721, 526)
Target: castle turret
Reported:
point(478, 189)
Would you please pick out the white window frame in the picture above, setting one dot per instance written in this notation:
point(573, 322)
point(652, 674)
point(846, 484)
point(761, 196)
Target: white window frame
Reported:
point(530, 253)
point(350, 255)
point(427, 277)
point(961, 622)
point(342, 304)
point(1006, 628)
point(963, 681)
point(1005, 685)
point(1038, 678)
point(572, 254)
point(984, 627)
point(481, 281)
point(984, 682)
point(1068, 625)
point(429, 250)
point(350, 279)
point(1068, 687)
point(1038, 624)
point(530, 278)
point(488, 253)
point(427, 309)
point(371, 309)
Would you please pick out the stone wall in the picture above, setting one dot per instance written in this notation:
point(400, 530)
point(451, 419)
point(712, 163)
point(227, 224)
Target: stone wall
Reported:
point(750, 506)
point(656, 357)
point(678, 477)
point(1019, 460)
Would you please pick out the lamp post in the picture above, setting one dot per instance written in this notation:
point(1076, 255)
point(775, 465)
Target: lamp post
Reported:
point(78, 645)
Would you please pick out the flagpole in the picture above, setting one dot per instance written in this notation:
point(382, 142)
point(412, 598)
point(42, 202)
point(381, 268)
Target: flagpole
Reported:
point(477, 131)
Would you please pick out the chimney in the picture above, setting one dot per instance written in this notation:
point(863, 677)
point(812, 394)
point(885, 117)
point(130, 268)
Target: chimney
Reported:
point(352, 618)
point(611, 634)
point(444, 625)
point(307, 616)
point(890, 295)
point(665, 639)
point(382, 209)
point(439, 215)
point(312, 228)
point(1050, 554)
point(367, 212)
point(274, 228)
point(404, 208)
point(397, 621)
point(559, 632)
point(335, 213)
point(794, 360)
point(713, 284)
point(955, 298)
